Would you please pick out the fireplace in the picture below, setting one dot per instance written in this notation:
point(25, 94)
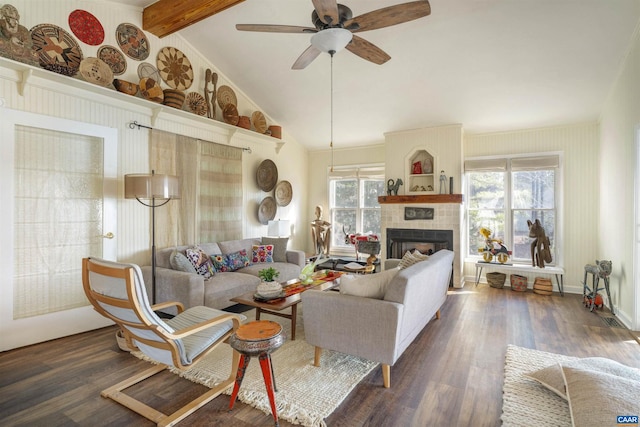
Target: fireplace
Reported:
point(400, 240)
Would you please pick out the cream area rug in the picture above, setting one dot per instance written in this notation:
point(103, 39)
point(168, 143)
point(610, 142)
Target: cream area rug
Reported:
point(306, 394)
point(526, 402)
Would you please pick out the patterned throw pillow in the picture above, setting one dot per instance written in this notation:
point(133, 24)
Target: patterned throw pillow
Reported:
point(408, 259)
point(262, 253)
point(219, 263)
point(201, 261)
point(237, 260)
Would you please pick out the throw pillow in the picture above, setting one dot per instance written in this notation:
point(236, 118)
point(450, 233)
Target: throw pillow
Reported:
point(408, 259)
point(219, 263)
point(551, 376)
point(598, 398)
point(237, 260)
point(279, 247)
point(200, 261)
point(262, 253)
point(180, 262)
point(367, 285)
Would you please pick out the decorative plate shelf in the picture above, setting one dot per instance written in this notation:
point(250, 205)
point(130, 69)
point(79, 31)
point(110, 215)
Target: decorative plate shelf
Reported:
point(26, 75)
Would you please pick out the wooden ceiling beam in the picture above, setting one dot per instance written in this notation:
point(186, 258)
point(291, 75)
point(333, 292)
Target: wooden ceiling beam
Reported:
point(165, 17)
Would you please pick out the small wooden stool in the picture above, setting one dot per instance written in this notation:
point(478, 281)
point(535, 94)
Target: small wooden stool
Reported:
point(259, 338)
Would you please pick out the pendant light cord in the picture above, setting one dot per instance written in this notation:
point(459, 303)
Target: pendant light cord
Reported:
point(331, 143)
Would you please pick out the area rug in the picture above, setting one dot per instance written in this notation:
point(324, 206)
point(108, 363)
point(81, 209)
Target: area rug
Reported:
point(306, 394)
point(524, 401)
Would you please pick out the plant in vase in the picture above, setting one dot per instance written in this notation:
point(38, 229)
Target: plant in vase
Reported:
point(269, 287)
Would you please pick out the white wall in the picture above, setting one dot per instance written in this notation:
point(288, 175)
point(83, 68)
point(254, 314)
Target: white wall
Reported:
point(73, 102)
point(620, 122)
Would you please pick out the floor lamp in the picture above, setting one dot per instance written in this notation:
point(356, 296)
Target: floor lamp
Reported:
point(158, 190)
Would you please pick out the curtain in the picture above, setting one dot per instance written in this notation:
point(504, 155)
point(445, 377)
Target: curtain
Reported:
point(210, 205)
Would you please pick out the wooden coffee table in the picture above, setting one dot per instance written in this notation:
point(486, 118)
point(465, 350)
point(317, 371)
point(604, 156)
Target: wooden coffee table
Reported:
point(275, 307)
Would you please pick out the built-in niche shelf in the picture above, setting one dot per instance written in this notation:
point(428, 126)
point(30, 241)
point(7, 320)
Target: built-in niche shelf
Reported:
point(25, 75)
point(422, 198)
point(421, 177)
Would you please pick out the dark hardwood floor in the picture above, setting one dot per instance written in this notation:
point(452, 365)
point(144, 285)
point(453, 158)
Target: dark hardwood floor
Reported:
point(450, 376)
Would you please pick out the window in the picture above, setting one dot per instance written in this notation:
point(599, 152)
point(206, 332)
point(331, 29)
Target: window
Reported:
point(353, 203)
point(503, 194)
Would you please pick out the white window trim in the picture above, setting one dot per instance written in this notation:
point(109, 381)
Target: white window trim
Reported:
point(559, 200)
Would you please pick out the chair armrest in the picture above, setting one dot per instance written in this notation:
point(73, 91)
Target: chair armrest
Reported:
point(296, 257)
point(178, 305)
point(364, 327)
point(205, 325)
point(174, 285)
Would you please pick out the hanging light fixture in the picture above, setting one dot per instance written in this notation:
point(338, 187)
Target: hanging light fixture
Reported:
point(331, 41)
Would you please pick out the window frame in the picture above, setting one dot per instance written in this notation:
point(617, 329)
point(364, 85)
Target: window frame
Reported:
point(360, 173)
point(492, 162)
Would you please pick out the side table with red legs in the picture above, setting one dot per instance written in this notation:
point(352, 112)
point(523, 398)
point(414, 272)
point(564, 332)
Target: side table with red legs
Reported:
point(258, 338)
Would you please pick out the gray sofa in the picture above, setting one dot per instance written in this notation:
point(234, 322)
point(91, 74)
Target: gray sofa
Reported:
point(379, 329)
point(193, 289)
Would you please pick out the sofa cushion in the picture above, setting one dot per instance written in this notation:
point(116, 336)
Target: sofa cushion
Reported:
point(231, 246)
point(367, 285)
point(237, 260)
point(279, 247)
point(262, 253)
point(201, 261)
point(597, 398)
point(180, 262)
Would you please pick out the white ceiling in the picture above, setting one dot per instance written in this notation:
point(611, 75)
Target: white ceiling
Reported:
point(490, 65)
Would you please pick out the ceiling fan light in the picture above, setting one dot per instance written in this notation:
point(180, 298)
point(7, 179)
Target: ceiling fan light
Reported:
point(331, 39)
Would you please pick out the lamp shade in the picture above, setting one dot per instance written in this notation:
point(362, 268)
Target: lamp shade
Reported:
point(151, 186)
point(279, 228)
point(331, 39)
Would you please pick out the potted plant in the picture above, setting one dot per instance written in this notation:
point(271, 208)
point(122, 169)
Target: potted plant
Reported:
point(269, 288)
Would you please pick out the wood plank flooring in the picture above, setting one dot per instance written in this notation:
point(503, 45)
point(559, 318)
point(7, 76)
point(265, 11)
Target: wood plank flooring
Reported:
point(450, 376)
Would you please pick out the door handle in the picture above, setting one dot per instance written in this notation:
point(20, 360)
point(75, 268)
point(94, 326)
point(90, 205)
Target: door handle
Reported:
point(109, 235)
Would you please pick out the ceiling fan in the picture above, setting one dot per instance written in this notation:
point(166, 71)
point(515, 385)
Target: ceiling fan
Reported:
point(334, 27)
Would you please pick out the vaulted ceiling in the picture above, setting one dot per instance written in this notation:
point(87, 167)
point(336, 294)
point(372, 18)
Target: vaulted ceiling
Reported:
point(491, 65)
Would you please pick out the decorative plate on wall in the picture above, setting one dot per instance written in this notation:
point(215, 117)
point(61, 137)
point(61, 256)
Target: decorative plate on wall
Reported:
point(57, 50)
point(96, 71)
point(146, 70)
point(283, 193)
point(226, 95)
point(132, 41)
point(267, 210)
point(113, 58)
point(267, 175)
point(259, 122)
point(175, 68)
point(86, 27)
point(196, 103)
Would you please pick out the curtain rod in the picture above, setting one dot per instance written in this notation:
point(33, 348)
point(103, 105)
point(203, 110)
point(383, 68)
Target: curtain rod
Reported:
point(134, 124)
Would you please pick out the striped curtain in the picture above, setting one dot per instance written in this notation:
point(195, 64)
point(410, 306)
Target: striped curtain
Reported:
point(210, 205)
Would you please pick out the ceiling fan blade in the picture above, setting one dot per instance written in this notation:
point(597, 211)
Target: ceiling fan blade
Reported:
point(367, 50)
point(327, 11)
point(267, 28)
point(306, 58)
point(388, 16)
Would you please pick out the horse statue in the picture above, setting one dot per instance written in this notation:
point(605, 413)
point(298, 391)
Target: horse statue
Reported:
point(540, 247)
point(392, 187)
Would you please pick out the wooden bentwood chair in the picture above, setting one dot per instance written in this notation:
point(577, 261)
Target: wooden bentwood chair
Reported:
point(117, 291)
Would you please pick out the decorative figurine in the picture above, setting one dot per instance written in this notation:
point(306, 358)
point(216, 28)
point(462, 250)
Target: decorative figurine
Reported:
point(392, 187)
point(321, 233)
point(493, 247)
point(540, 247)
point(443, 183)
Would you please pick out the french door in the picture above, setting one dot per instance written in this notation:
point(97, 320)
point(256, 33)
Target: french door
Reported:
point(58, 189)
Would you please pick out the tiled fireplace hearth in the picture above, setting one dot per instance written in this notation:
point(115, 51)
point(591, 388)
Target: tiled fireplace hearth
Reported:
point(443, 229)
